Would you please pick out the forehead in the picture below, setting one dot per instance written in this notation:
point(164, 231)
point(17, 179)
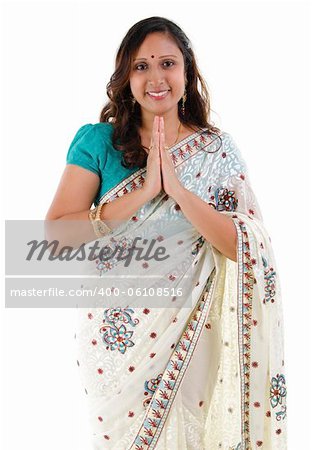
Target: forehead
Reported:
point(158, 44)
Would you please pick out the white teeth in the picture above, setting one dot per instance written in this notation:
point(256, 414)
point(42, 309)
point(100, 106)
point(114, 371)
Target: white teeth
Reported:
point(157, 94)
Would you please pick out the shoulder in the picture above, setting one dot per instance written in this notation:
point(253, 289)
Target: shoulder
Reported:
point(97, 131)
point(90, 145)
point(223, 138)
point(229, 144)
point(104, 129)
point(93, 138)
point(224, 142)
point(227, 138)
point(230, 153)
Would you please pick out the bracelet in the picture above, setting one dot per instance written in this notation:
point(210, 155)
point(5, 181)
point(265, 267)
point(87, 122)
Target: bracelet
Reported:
point(100, 228)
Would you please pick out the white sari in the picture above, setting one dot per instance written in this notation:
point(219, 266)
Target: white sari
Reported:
point(199, 370)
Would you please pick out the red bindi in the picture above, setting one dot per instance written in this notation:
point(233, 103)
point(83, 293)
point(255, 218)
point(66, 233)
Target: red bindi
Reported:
point(152, 56)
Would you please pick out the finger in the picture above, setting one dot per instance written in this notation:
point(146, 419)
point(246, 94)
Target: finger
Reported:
point(158, 133)
point(157, 118)
point(154, 130)
point(156, 143)
point(162, 134)
point(156, 124)
point(162, 128)
point(161, 124)
point(154, 137)
point(162, 140)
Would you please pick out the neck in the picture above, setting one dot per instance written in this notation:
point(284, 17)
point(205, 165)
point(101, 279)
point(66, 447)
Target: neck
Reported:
point(171, 120)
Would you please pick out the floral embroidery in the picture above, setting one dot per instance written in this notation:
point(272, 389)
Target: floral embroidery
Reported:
point(150, 387)
point(118, 337)
point(109, 259)
point(225, 200)
point(114, 315)
point(270, 282)
point(278, 394)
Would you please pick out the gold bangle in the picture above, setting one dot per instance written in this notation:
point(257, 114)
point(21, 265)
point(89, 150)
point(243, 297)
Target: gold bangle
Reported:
point(98, 211)
point(92, 214)
point(100, 228)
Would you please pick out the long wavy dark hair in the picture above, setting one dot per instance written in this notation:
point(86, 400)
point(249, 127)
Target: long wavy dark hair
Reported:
point(119, 110)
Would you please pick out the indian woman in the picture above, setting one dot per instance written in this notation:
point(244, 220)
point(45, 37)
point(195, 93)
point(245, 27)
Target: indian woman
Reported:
point(199, 362)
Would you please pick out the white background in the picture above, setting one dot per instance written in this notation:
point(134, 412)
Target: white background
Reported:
point(57, 58)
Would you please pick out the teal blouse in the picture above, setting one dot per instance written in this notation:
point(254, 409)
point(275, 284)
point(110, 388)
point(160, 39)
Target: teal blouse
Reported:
point(93, 150)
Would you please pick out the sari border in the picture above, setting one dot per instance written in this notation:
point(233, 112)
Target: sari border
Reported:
point(141, 442)
point(245, 281)
point(208, 291)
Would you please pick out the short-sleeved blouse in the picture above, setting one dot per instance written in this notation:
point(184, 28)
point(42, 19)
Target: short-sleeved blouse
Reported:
point(93, 150)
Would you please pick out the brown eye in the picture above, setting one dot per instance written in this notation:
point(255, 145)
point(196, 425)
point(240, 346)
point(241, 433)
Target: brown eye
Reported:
point(169, 62)
point(142, 66)
point(138, 67)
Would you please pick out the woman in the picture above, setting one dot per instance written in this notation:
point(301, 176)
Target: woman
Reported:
point(201, 365)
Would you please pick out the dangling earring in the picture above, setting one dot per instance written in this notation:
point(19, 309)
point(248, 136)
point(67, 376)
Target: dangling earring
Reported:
point(183, 103)
point(133, 100)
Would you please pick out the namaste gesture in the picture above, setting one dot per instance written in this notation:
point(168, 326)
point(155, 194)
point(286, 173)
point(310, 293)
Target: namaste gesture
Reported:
point(160, 170)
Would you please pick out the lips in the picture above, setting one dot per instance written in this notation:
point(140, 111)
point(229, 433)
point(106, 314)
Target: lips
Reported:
point(158, 95)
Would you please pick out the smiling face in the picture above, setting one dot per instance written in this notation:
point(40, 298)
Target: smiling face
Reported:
point(157, 77)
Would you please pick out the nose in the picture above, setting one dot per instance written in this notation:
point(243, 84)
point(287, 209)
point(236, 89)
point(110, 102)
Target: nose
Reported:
point(155, 77)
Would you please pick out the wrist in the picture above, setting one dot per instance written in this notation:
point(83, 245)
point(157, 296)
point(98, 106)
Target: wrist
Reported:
point(147, 194)
point(178, 193)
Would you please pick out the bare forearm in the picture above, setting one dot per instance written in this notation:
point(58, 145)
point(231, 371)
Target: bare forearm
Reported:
point(215, 227)
point(75, 228)
point(124, 207)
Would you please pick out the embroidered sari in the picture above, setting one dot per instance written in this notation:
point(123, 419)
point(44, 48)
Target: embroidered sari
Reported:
point(202, 367)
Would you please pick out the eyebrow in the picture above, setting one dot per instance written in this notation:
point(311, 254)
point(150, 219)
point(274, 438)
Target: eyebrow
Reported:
point(164, 56)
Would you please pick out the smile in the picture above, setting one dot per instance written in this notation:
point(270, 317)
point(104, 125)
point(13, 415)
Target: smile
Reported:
point(158, 95)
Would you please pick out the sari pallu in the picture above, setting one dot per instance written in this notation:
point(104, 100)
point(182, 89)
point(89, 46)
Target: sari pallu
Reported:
point(207, 373)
